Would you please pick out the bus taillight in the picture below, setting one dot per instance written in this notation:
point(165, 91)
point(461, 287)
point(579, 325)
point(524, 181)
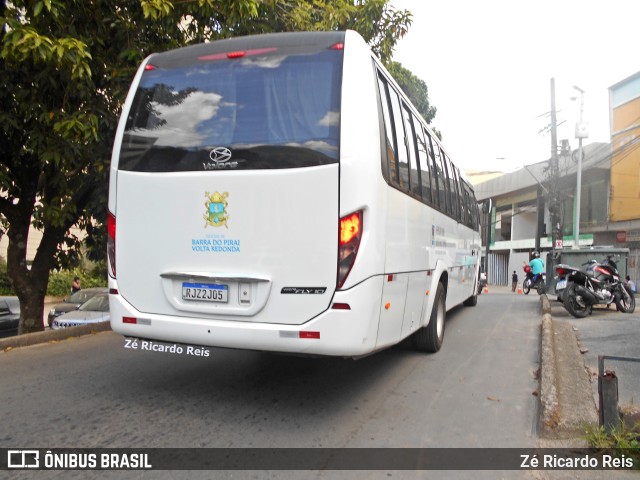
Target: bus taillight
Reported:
point(111, 242)
point(349, 241)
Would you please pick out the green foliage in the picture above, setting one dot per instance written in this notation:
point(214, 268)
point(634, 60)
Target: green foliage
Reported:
point(415, 88)
point(380, 24)
point(619, 440)
point(5, 282)
point(60, 282)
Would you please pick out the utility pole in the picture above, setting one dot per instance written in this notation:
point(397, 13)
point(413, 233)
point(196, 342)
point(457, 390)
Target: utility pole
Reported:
point(554, 173)
point(540, 210)
point(582, 131)
point(553, 168)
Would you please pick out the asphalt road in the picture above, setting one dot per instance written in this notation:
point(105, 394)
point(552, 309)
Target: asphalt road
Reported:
point(91, 392)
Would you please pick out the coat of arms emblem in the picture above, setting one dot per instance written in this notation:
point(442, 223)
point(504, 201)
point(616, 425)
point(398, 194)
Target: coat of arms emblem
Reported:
point(216, 205)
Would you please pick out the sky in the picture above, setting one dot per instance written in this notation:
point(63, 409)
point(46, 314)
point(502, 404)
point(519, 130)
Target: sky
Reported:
point(488, 66)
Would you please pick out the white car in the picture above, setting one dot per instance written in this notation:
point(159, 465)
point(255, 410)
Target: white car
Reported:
point(94, 310)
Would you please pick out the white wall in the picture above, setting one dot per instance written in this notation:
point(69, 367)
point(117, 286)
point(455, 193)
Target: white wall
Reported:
point(523, 225)
point(35, 236)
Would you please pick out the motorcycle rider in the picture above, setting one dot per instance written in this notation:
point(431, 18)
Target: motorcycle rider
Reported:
point(537, 267)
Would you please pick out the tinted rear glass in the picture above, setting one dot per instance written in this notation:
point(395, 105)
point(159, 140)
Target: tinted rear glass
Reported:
point(272, 108)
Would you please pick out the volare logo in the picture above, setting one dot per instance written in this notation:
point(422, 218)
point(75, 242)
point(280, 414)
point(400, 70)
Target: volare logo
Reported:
point(220, 154)
point(23, 459)
point(220, 160)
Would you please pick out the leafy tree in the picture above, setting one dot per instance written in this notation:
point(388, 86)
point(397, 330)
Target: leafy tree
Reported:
point(67, 65)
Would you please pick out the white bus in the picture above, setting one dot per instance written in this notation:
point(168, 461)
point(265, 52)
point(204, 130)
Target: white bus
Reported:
point(280, 193)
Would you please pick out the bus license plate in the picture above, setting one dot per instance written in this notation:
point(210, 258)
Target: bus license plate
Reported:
point(205, 292)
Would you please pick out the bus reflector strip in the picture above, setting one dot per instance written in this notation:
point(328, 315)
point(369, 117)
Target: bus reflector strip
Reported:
point(294, 334)
point(113, 291)
point(341, 306)
point(310, 335)
point(136, 321)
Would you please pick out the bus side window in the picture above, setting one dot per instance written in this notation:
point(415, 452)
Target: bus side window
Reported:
point(471, 205)
point(436, 174)
point(443, 180)
point(453, 190)
point(414, 170)
point(466, 210)
point(474, 210)
point(392, 159)
point(401, 141)
point(423, 155)
point(456, 191)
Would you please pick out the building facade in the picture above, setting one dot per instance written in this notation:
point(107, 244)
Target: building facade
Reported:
point(517, 205)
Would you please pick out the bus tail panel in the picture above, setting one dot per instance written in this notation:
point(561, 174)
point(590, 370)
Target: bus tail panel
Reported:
point(241, 246)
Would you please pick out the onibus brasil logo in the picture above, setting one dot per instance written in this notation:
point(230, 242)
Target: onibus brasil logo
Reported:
point(216, 205)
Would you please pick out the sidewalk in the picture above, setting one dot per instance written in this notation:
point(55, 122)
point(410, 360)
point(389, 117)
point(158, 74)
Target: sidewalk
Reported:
point(566, 398)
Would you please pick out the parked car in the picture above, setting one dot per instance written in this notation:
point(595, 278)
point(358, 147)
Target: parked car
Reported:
point(9, 316)
point(94, 310)
point(74, 301)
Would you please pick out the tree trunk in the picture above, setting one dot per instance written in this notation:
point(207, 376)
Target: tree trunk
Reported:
point(30, 293)
point(31, 312)
point(30, 284)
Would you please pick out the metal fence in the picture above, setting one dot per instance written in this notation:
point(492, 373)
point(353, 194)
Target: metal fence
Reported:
point(498, 269)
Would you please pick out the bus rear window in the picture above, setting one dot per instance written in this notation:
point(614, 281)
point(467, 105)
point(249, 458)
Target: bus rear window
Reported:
point(265, 111)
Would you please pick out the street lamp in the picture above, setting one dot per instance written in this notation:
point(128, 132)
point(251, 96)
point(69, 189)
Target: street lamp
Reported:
point(582, 131)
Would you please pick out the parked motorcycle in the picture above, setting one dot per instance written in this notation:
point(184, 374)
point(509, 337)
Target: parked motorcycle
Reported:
point(598, 284)
point(529, 282)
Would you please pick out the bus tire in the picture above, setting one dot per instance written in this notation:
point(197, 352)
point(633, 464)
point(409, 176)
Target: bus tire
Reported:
point(472, 301)
point(430, 337)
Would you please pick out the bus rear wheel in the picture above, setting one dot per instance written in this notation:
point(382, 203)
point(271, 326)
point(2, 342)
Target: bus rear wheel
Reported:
point(430, 337)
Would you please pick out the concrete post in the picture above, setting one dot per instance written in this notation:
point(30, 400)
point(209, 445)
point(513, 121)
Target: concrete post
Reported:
point(608, 400)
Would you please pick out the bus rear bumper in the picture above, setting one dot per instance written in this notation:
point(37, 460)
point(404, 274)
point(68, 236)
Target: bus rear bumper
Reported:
point(335, 332)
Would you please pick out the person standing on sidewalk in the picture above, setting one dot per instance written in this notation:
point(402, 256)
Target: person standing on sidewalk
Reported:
point(514, 281)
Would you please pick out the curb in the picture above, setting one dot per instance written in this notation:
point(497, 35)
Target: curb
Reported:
point(566, 396)
point(29, 339)
point(550, 417)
